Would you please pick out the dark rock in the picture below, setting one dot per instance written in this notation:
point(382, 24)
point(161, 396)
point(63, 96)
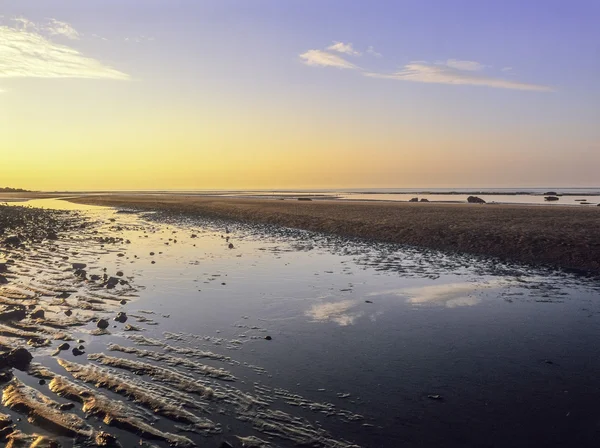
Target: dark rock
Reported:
point(79, 266)
point(112, 282)
point(63, 295)
point(78, 352)
point(424, 200)
point(3, 267)
point(3, 280)
point(66, 406)
point(38, 314)
point(120, 274)
point(123, 302)
point(19, 358)
point(151, 254)
point(64, 346)
point(230, 245)
point(12, 240)
point(550, 193)
point(102, 324)
point(42, 382)
point(414, 200)
point(434, 397)
point(51, 235)
point(68, 312)
point(551, 198)
point(120, 255)
point(13, 315)
point(368, 301)
point(475, 200)
point(81, 273)
point(194, 235)
point(268, 338)
point(121, 317)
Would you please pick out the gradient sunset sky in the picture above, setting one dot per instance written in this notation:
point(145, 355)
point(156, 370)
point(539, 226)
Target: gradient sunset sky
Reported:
point(222, 94)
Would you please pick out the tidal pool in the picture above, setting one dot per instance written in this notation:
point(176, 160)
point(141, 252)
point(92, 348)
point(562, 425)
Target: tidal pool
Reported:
point(320, 341)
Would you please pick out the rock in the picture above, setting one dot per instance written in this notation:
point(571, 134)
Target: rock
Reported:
point(120, 274)
point(51, 235)
point(230, 245)
point(81, 273)
point(268, 338)
point(550, 193)
point(368, 301)
point(42, 382)
point(3, 267)
point(102, 324)
point(66, 406)
point(424, 200)
point(12, 240)
point(38, 314)
point(475, 200)
point(3, 280)
point(78, 352)
point(551, 198)
point(194, 235)
point(79, 266)
point(121, 317)
point(120, 255)
point(19, 358)
point(434, 397)
point(111, 282)
point(151, 254)
point(68, 312)
point(64, 346)
point(414, 200)
point(63, 295)
point(123, 302)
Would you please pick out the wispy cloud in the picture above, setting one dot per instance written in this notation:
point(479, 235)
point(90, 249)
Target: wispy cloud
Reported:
point(325, 59)
point(372, 52)
point(445, 74)
point(58, 28)
point(27, 53)
point(341, 47)
point(451, 71)
point(470, 66)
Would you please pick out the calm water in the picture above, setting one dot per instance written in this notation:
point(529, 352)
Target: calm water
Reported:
point(432, 350)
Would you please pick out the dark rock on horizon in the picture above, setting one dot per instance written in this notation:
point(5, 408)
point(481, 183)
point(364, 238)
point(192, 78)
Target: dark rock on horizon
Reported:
point(414, 200)
point(475, 200)
point(551, 198)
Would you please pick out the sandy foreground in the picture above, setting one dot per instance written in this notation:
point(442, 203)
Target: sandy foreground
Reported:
point(559, 236)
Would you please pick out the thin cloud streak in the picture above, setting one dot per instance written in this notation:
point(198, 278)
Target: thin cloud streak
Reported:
point(444, 74)
point(341, 47)
point(28, 54)
point(322, 58)
point(452, 71)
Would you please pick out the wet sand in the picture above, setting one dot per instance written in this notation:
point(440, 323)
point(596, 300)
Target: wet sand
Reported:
point(565, 237)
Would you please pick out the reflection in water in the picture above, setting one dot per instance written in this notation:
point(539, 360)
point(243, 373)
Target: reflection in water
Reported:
point(449, 295)
point(338, 312)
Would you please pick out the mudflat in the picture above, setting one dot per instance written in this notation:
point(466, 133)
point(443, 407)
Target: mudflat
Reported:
point(559, 236)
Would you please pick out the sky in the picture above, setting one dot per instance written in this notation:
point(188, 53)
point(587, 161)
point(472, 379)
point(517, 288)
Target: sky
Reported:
point(286, 94)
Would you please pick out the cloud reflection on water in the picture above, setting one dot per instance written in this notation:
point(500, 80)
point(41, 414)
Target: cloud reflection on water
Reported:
point(338, 312)
point(450, 295)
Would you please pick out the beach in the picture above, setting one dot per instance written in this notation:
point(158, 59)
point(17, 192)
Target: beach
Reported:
point(557, 236)
point(203, 322)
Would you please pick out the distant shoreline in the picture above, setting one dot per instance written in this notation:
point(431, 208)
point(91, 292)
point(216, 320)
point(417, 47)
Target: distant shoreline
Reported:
point(559, 236)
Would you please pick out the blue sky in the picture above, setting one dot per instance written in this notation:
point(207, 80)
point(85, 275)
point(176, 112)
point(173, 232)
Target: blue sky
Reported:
point(451, 79)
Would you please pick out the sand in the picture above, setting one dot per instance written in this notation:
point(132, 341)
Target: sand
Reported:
point(558, 236)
